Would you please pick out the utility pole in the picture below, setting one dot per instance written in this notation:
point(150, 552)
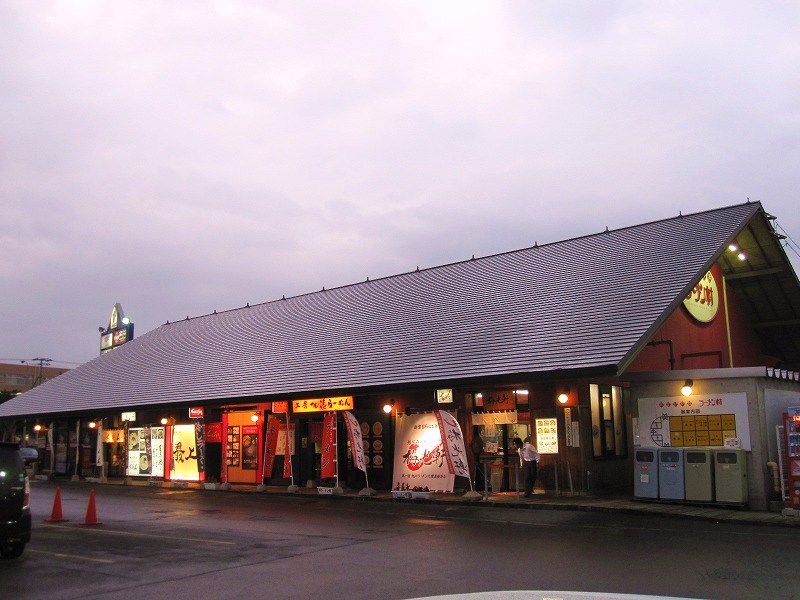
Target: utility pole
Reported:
point(43, 362)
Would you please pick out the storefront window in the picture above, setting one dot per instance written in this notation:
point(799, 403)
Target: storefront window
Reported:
point(608, 431)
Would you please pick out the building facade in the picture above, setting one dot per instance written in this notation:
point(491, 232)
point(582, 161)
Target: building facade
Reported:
point(567, 343)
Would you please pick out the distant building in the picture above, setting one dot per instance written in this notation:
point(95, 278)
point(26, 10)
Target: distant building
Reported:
point(21, 377)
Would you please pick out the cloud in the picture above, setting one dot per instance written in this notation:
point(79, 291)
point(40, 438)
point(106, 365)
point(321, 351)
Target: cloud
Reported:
point(180, 158)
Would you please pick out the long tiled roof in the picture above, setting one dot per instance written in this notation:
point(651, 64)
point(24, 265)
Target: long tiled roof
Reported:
point(589, 302)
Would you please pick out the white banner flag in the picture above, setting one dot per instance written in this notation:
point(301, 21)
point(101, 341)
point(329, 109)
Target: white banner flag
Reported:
point(356, 442)
point(98, 455)
point(419, 457)
point(453, 440)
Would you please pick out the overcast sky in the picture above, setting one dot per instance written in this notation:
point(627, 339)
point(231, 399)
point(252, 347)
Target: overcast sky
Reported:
point(185, 157)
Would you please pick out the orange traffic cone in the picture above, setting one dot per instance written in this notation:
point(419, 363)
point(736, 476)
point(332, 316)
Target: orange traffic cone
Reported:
point(56, 516)
point(91, 511)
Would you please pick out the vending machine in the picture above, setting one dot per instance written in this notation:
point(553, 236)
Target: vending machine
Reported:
point(791, 422)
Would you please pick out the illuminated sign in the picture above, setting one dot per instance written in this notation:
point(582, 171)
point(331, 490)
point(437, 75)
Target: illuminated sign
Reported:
point(118, 331)
point(146, 451)
point(280, 407)
point(106, 341)
point(128, 416)
point(113, 436)
point(419, 455)
point(547, 436)
point(184, 454)
point(322, 404)
point(499, 400)
point(703, 301)
point(444, 396)
point(196, 412)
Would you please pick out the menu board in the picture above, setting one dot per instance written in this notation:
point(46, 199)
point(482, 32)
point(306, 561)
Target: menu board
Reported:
point(250, 447)
point(145, 451)
point(547, 436)
point(233, 450)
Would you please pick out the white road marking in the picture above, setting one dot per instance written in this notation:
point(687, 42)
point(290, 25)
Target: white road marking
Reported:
point(138, 534)
point(72, 556)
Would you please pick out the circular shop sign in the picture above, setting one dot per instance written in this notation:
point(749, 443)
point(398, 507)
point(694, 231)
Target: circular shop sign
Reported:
point(703, 301)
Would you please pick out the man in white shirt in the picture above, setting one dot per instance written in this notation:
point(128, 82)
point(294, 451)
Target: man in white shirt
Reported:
point(528, 461)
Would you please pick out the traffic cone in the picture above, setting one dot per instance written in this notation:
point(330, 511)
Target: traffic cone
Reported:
point(56, 516)
point(91, 511)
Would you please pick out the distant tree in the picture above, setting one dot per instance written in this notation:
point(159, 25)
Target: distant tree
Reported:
point(7, 395)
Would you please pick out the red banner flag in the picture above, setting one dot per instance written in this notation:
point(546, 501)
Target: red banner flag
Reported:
point(270, 445)
point(329, 446)
point(356, 441)
point(287, 454)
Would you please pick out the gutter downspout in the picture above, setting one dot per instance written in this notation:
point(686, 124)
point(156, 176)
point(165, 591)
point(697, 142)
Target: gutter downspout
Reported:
point(727, 321)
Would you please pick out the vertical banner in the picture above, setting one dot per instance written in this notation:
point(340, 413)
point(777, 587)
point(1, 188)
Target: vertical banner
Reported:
point(356, 440)
point(453, 441)
point(52, 448)
point(157, 450)
point(270, 446)
point(98, 456)
point(287, 452)
point(328, 466)
point(200, 437)
point(419, 457)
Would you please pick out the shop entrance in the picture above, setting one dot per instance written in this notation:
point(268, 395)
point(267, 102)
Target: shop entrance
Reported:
point(310, 450)
point(243, 439)
point(499, 461)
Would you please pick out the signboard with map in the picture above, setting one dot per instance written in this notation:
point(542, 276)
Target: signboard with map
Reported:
point(712, 420)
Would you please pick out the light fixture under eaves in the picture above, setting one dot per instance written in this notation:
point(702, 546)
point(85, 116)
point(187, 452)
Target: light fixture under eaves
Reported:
point(686, 390)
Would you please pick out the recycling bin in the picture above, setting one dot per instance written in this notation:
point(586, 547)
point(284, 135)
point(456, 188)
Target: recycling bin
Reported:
point(699, 474)
point(730, 475)
point(670, 474)
point(645, 473)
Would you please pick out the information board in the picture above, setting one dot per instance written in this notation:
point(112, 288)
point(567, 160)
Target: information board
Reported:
point(547, 436)
point(233, 447)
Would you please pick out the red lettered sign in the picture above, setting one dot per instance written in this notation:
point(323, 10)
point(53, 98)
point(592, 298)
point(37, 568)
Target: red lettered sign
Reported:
point(214, 432)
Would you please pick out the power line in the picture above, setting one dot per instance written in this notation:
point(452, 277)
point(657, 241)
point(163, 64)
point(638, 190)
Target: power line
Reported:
point(790, 243)
point(30, 360)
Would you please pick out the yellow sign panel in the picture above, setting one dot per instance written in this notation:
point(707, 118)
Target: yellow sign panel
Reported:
point(184, 453)
point(703, 301)
point(322, 404)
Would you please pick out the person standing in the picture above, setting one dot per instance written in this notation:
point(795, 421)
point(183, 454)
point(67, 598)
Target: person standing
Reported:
point(476, 449)
point(528, 461)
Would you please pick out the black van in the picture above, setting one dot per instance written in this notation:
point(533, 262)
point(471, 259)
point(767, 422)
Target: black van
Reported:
point(15, 502)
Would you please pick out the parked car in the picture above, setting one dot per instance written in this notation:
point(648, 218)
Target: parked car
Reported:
point(15, 502)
